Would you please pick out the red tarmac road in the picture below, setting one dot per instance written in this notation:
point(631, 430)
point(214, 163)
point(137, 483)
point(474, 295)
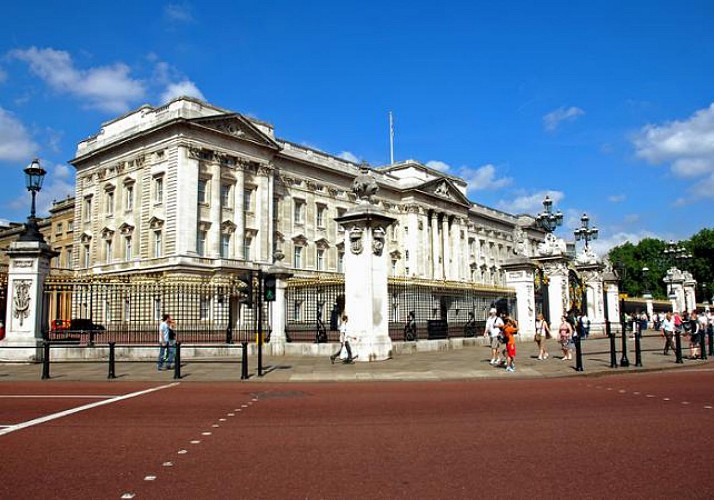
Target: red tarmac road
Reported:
point(643, 435)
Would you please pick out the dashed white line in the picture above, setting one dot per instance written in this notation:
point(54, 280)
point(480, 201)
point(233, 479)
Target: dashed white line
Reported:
point(127, 496)
point(168, 464)
point(195, 441)
point(182, 452)
point(150, 478)
point(205, 433)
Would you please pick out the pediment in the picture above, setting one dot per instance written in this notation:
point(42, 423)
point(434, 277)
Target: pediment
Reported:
point(235, 125)
point(443, 188)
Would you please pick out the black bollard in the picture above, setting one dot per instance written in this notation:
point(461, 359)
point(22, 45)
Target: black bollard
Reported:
point(703, 343)
point(678, 346)
point(638, 349)
point(177, 361)
point(710, 334)
point(112, 374)
point(624, 362)
point(578, 354)
point(613, 351)
point(45, 360)
point(244, 362)
point(229, 335)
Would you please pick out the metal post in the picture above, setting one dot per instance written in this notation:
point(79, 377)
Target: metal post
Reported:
point(45, 360)
point(703, 343)
point(624, 362)
point(177, 361)
point(710, 334)
point(112, 374)
point(638, 349)
point(608, 331)
point(678, 346)
point(578, 354)
point(244, 362)
point(90, 342)
point(260, 323)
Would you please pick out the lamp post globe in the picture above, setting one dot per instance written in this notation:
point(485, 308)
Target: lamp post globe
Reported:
point(34, 175)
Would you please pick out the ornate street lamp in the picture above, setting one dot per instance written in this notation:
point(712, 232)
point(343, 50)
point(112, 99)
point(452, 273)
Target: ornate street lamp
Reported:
point(34, 175)
point(645, 276)
point(548, 220)
point(585, 232)
point(677, 253)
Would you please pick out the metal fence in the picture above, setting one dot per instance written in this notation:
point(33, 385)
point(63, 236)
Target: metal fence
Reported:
point(128, 311)
point(441, 309)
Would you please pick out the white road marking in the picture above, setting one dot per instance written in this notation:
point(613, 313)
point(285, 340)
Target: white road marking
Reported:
point(168, 464)
point(55, 396)
point(685, 402)
point(195, 441)
point(71, 411)
point(665, 399)
point(150, 478)
point(127, 496)
point(707, 407)
point(221, 419)
point(182, 452)
point(205, 433)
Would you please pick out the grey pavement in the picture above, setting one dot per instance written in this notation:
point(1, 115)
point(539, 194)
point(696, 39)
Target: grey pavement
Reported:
point(470, 362)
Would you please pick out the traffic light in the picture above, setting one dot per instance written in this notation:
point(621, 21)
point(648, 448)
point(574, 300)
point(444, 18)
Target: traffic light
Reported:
point(247, 293)
point(269, 288)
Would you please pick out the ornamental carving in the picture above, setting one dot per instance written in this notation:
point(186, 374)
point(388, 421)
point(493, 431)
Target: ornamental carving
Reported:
point(21, 300)
point(364, 186)
point(356, 240)
point(378, 236)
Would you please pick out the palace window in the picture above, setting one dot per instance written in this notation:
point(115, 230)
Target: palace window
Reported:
point(226, 196)
point(297, 258)
point(85, 255)
point(109, 203)
point(129, 197)
point(127, 247)
point(157, 242)
point(58, 229)
point(108, 251)
point(203, 191)
point(340, 262)
point(247, 200)
point(299, 212)
point(159, 189)
point(320, 259)
point(201, 237)
point(247, 241)
point(320, 218)
point(225, 246)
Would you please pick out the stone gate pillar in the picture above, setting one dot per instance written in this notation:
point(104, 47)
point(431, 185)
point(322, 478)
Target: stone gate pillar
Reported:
point(675, 286)
point(520, 276)
point(595, 299)
point(279, 309)
point(29, 265)
point(556, 268)
point(366, 271)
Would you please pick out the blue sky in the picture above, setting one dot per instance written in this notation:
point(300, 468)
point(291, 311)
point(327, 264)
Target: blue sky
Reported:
point(606, 106)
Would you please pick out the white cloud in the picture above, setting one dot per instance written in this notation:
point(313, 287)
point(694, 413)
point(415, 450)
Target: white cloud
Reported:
point(182, 88)
point(552, 120)
point(616, 198)
point(109, 88)
point(15, 141)
point(531, 203)
point(438, 165)
point(686, 145)
point(603, 246)
point(483, 177)
point(346, 155)
point(178, 13)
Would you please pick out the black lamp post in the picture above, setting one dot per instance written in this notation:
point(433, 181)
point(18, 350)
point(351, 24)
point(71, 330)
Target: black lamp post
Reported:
point(585, 232)
point(548, 220)
point(621, 273)
point(679, 255)
point(34, 175)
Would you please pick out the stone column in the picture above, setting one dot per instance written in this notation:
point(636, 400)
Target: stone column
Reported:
point(675, 284)
point(446, 244)
point(366, 271)
point(213, 245)
point(238, 212)
point(558, 294)
point(520, 275)
point(279, 309)
point(689, 288)
point(435, 254)
point(649, 304)
point(456, 266)
point(413, 241)
point(29, 265)
point(613, 305)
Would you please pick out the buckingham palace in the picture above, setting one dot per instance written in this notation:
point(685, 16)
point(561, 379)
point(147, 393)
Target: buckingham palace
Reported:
point(192, 194)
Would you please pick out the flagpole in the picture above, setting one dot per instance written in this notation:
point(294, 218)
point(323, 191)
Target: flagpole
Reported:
point(391, 139)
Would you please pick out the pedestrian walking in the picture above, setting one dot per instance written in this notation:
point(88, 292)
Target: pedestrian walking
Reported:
point(668, 333)
point(542, 334)
point(167, 342)
point(494, 324)
point(345, 350)
point(510, 330)
point(694, 336)
point(565, 337)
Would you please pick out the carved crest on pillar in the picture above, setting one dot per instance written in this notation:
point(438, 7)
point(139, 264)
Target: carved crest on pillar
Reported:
point(378, 235)
point(21, 300)
point(356, 245)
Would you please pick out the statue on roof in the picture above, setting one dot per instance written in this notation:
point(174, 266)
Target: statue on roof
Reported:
point(364, 185)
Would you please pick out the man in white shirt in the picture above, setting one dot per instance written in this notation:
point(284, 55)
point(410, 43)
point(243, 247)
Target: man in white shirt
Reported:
point(494, 324)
